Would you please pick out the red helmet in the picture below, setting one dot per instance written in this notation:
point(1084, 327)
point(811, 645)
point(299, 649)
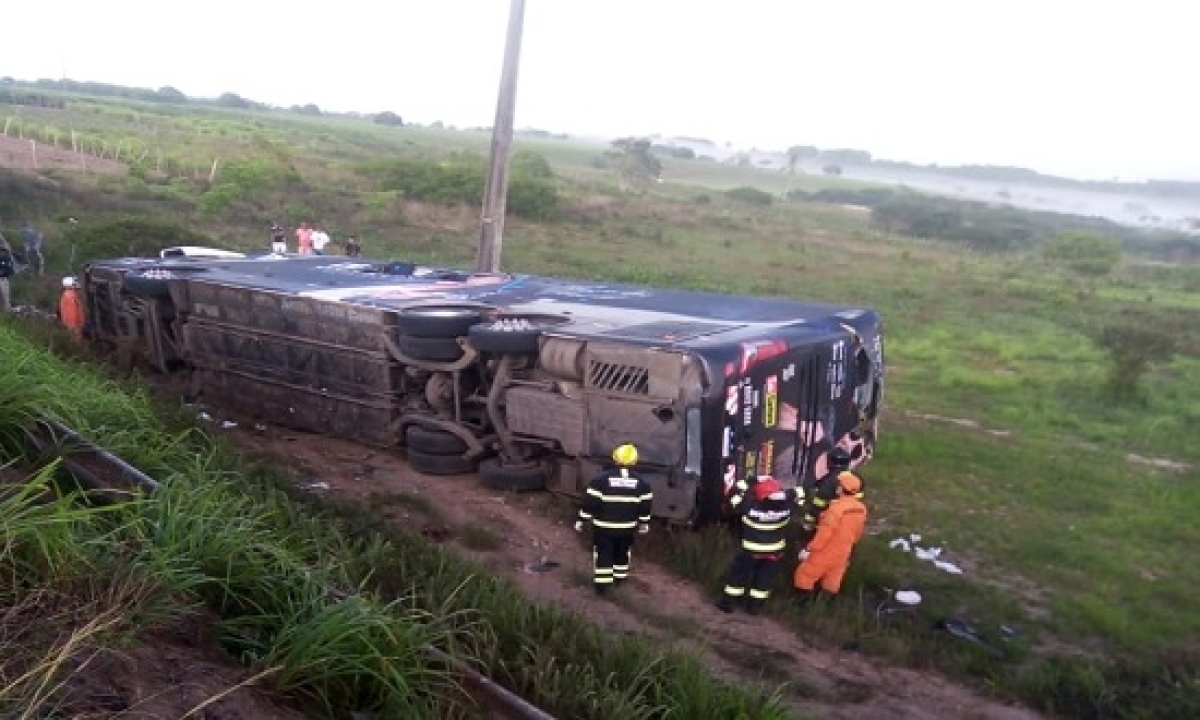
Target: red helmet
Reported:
point(765, 487)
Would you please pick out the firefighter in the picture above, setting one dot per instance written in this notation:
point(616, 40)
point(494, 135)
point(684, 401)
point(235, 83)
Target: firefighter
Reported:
point(618, 505)
point(764, 511)
point(825, 490)
point(825, 558)
point(70, 309)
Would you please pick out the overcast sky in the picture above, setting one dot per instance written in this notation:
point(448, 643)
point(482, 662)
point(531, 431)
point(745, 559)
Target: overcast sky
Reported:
point(1096, 89)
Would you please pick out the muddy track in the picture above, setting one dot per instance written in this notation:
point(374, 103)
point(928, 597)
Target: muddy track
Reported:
point(525, 530)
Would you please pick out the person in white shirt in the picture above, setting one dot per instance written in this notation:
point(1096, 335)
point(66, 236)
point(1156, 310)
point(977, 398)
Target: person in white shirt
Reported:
point(319, 240)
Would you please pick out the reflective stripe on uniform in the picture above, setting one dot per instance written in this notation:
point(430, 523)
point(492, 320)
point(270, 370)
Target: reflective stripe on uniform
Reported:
point(759, 594)
point(616, 498)
point(765, 526)
point(763, 547)
point(735, 591)
point(615, 525)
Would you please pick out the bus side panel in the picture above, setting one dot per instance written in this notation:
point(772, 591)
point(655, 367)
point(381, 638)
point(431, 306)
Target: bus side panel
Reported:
point(784, 409)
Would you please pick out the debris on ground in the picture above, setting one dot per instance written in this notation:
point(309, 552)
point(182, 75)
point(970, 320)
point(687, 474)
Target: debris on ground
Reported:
point(543, 565)
point(928, 554)
point(963, 630)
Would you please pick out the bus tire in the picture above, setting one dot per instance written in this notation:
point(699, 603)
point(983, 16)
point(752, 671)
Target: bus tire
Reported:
point(433, 442)
point(431, 464)
point(512, 478)
point(438, 321)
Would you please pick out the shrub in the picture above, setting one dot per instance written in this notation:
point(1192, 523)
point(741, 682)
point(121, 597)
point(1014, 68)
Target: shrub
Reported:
point(1084, 252)
point(750, 195)
point(1133, 345)
point(129, 236)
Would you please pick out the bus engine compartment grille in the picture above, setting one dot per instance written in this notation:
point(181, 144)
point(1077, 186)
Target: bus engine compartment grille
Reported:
point(616, 377)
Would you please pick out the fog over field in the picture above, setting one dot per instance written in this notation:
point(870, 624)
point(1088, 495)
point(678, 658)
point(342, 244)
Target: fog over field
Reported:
point(1141, 210)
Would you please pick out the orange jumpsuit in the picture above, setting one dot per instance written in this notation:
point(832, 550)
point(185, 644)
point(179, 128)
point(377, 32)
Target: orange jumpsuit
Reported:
point(840, 527)
point(70, 311)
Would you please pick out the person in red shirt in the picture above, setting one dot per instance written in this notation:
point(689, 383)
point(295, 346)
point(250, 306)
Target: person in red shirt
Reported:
point(827, 555)
point(304, 241)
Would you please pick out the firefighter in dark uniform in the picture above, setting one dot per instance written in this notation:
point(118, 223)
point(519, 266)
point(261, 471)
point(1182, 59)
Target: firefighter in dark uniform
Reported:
point(764, 510)
point(618, 504)
point(825, 491)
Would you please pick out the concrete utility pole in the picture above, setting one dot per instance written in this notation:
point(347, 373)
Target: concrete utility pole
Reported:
point(495, 193)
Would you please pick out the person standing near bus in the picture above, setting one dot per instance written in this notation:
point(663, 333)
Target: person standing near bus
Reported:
point(33, 246)
point(304, 242)
point(70, 309)
point(319, 240)
point(825, 559)
point(8, 268)
point(278, 239)
point(764, 511)
point(618, 505)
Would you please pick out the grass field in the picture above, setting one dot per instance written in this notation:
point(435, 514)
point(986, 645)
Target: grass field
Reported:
point(1001, 440)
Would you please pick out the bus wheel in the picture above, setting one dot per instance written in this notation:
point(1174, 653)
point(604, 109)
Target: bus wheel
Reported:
point(513, 333)
point(514, 478)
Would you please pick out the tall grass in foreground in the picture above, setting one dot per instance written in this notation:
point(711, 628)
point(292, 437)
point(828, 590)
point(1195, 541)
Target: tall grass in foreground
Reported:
point(331, 617)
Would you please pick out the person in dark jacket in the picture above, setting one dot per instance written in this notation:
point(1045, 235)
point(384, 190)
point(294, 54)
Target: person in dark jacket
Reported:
point(33, 247)
point(618, 505)
point(825, 490)
point(764, 510)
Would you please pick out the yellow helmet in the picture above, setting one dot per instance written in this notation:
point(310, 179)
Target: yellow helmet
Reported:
point(625, 455)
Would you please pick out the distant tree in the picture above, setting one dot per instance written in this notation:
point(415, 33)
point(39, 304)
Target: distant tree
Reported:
point(1084, 252)
point(169, 94)
point(309, 109)
point(832, 169)
point(387, 117)
point(633, 162)
point(796, 153)
point(233, 100)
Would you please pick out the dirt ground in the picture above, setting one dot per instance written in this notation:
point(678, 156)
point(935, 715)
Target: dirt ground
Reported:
point(534, 532)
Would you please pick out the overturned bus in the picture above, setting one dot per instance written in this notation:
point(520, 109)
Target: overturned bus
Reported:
point(529, 381)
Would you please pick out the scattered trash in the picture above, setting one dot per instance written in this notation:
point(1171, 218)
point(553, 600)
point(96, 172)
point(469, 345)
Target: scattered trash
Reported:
point(1008, 632)
point(963, 630)
point(948, 567)
point(541, 566)
point(205, 417)
point(316, 486)
point(928, 554)
point(226, 424)
point(904, 599)
point(261, 427)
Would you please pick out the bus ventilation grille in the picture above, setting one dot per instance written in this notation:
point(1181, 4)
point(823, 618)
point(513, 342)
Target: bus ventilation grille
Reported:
point(614, 377)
